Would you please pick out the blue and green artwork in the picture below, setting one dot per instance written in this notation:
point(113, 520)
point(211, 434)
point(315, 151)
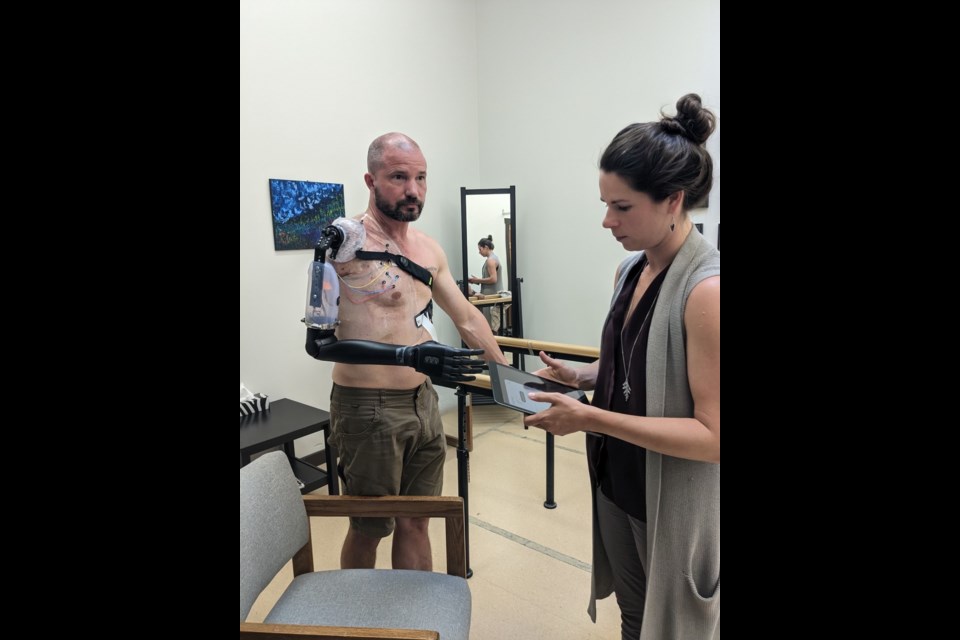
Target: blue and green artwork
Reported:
point(301, 210)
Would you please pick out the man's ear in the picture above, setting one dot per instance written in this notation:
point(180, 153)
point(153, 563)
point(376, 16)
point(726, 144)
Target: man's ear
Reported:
point(368, 180)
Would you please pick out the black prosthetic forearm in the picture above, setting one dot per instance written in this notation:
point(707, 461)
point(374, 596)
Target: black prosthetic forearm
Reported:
point(431, 358)
point(352, 351)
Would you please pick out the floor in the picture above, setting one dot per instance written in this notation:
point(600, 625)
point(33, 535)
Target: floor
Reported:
point(531, 565)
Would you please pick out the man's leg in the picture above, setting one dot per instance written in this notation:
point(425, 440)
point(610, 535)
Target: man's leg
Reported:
point(359, 551)
point(368, 464)
point(422, 476)
point(411, 545)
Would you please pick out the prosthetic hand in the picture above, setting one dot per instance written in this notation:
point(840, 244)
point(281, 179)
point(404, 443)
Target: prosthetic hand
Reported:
point(435, 359)
point(431, 358)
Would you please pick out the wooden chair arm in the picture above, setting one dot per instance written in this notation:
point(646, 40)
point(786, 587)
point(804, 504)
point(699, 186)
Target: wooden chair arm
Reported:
point(259, 631)
point(384, 506)
point(450, 508)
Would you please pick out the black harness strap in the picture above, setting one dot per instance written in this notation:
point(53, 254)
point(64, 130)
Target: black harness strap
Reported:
point(427, 310)
point(403, 262)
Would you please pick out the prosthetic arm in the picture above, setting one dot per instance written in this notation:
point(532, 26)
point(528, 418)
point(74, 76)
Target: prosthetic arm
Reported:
point(431, 358)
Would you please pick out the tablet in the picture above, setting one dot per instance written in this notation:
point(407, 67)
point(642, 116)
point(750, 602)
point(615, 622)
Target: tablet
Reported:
point(510, 388)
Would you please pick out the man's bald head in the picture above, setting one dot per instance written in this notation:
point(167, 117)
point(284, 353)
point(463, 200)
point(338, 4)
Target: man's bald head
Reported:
point(392, 140)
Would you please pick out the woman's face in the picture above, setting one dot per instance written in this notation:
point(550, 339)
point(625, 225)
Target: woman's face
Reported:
point(484, 251)
point(637, 222)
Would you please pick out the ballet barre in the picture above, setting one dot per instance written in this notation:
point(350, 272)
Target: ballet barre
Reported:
point(481, 386)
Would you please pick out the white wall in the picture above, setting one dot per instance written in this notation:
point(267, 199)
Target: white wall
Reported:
point(557, 80)
point(319, 80)
point(497, 92)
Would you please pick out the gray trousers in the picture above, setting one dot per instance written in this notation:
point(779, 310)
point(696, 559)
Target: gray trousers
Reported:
point(625, 539)
point(492, 314)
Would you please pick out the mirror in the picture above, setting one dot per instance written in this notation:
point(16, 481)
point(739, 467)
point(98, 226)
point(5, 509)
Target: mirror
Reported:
point(492, 212)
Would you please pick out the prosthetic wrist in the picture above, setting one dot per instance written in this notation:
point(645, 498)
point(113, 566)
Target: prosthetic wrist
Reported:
point(431, 358)
point(435, 359)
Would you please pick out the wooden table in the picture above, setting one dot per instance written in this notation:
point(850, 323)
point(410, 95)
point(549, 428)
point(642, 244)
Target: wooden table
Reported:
point(281, 424)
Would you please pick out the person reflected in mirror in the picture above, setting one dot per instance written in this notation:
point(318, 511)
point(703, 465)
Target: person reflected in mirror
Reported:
point(655, 464)
point(489, 280)
point(384, 420)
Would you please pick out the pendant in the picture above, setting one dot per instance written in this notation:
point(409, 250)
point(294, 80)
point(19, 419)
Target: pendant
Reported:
point(626, 390)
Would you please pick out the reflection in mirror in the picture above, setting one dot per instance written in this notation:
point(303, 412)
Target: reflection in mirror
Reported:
point(492, 212)
point(489, 216)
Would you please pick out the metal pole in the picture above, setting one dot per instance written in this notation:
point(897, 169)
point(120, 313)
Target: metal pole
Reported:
point(550, 503)
point(463, 469)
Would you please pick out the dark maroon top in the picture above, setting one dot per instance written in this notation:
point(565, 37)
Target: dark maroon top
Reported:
point(619, 466)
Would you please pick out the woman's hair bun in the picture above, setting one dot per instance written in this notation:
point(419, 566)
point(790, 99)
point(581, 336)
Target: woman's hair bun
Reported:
point(692, 120)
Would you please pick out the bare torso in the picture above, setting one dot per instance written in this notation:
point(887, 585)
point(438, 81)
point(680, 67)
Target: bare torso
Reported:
point(379, 301)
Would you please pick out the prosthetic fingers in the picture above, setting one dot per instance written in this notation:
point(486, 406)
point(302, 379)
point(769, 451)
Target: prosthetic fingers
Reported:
point(431, 358)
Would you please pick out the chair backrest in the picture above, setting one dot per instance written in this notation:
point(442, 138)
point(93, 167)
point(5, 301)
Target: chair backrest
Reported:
point(273, 523)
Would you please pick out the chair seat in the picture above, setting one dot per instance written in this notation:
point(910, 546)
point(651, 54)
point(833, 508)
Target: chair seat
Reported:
point(378, 598)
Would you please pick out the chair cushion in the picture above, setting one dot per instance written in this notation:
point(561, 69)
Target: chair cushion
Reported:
point(273, 523)
point(397, 599)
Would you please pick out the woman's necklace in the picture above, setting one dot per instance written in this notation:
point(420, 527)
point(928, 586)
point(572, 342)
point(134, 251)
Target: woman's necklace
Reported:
point(625, 387)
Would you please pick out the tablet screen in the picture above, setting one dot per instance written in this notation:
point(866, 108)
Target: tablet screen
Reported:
point(510, 388)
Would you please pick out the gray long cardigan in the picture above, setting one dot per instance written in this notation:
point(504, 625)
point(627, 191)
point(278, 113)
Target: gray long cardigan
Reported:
point(683, 496)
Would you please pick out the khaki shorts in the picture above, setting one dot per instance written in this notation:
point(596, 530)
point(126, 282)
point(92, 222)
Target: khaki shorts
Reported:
point(390, 443)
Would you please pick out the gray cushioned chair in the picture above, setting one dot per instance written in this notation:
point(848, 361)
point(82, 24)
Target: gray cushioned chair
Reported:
point(344, 603)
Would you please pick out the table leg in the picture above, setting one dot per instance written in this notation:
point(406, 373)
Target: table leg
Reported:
point(463, 470)
point(333, 478)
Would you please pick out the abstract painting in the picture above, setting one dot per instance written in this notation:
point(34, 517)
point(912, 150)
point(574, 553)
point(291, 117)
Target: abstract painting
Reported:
point(301, 210)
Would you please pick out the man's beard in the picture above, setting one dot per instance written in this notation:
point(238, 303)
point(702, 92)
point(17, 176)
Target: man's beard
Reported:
point(394, 210)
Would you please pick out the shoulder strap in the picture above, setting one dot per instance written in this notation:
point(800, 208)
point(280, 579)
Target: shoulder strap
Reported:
point(403, 262)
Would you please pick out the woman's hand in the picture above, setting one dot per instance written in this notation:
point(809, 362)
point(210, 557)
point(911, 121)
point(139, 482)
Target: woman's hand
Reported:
point(558, 372)
point(565, 415)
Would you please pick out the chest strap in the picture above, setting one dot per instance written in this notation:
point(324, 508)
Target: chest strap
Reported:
point(403, 262)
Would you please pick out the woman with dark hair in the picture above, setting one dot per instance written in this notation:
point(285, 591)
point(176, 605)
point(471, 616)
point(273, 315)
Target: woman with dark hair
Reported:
point(654, 446)
point(489, 281)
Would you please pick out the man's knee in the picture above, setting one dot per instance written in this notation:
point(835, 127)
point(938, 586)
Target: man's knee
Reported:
point(372, 528)
point(409, 526)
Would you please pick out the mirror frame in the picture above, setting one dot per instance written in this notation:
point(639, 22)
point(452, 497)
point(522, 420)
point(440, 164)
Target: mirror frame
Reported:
point(516, 318)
